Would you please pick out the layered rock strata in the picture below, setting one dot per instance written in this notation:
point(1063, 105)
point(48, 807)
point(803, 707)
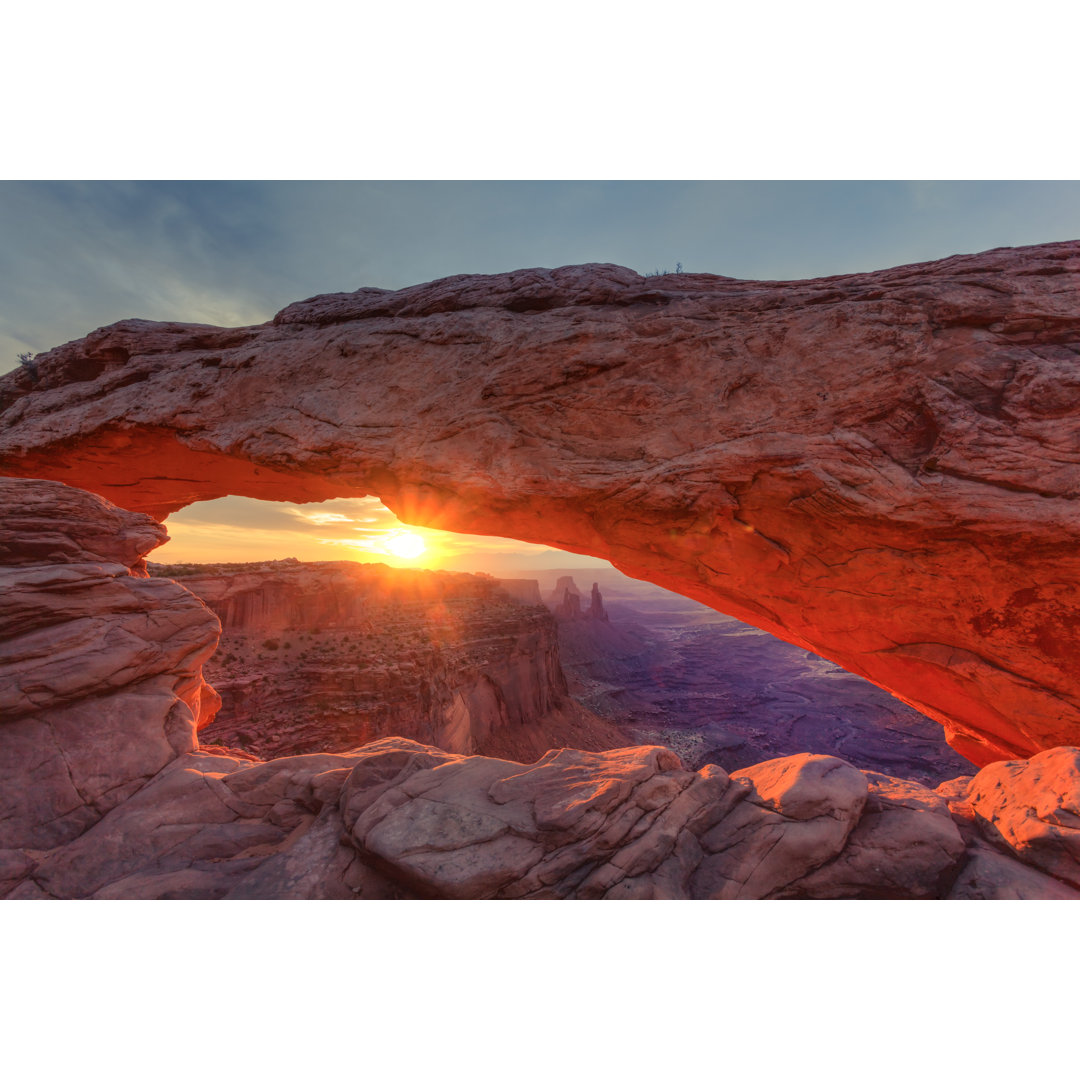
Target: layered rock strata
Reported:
point(100, 666)
point(321, 657)
point(879, 467)
point(524, 590)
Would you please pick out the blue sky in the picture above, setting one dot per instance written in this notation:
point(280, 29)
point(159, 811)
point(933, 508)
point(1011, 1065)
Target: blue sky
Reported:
point(81, 255)
point(78, 255)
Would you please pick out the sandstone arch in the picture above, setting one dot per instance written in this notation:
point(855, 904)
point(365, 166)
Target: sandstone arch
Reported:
point(880, 467)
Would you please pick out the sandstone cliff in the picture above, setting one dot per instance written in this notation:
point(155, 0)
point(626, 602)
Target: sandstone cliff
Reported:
point(879, 467)
point(523, 590)
point(326, 656)
point(107, 795)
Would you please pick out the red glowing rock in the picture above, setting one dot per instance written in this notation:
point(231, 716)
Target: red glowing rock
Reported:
point(880, 467)
point(1032, 809)
point(105, 794)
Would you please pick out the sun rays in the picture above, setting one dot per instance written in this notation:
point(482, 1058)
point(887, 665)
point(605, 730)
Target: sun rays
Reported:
point(237, 529)
point(405, 544)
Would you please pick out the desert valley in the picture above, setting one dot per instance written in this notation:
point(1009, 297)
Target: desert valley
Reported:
point(833, 657)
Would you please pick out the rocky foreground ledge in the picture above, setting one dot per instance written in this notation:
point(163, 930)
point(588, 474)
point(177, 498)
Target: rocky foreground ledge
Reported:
point(105, 793)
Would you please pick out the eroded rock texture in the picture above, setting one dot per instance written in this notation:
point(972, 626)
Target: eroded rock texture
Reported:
point(634, 824)
point(107, 794)
point(1033, 808)
point(880, 467)
point(395, 819)
point(100, 669)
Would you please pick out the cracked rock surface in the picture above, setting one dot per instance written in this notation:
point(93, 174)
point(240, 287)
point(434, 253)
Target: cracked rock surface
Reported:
point(880, 467)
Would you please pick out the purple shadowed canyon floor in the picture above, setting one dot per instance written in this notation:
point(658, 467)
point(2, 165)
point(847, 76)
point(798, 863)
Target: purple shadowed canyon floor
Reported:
point(675, 672)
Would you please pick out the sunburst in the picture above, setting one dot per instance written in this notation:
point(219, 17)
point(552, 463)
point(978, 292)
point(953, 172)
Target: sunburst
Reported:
point(405, 545)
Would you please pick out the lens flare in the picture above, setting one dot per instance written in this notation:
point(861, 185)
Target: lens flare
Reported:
point(405, 545)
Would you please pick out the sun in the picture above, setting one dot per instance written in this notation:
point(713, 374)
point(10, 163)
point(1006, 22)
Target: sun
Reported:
point(405, 545)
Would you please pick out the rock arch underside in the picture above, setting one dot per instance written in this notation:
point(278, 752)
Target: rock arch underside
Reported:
point(882, 468)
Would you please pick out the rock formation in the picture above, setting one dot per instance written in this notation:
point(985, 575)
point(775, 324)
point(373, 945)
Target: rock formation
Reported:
point(558, 595)
point(101, 667)
point(565, 601)
point(880, 467)
point(570, 606)
point(107, 794)
point(320, 657)
point(596, 604)
point(524, 590)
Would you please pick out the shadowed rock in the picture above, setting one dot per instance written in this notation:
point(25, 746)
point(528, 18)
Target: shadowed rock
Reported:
point(906, 845)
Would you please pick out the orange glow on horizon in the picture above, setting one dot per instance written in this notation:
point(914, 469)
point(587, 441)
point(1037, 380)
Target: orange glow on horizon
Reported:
point(410, 546)
point(405, 545)
point(242, 530)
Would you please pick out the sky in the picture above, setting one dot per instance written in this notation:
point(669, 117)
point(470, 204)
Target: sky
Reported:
point(82, 254)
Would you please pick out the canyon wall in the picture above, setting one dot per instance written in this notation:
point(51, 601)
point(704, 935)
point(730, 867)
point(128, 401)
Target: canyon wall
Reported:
point(322, 657)
point(879, 467)
point(523, 590)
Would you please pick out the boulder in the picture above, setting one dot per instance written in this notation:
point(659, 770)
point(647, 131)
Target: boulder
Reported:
point(1032, 810)
point(988, 874)
point(906, 846)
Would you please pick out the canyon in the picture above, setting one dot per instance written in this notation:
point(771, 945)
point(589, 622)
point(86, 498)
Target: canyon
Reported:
point(323, 657)
point(672, 672)
point(880, 468)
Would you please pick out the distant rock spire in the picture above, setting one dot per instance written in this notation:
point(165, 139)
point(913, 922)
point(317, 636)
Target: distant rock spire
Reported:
point(567, 602)
point(570, 606)
point(596, 607)
point(564, 584)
